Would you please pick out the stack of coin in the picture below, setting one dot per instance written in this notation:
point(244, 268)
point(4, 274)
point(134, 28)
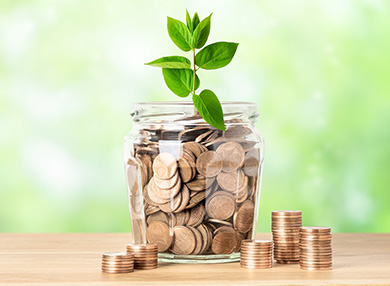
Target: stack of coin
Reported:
point(194, 182)
point(256, 254)
point(316, 248)
point(145, 255)
point(117, 262)
point(285, 233)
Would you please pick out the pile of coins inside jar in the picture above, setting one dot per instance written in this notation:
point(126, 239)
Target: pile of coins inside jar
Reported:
point(199, 187)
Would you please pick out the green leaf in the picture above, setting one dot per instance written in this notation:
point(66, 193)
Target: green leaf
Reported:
point(195, 21)
point(189, 22)
point(172, 62)
point(180, 81)
point(216, 55)
point(179, 34)
point(209, 108)
point(201, 33)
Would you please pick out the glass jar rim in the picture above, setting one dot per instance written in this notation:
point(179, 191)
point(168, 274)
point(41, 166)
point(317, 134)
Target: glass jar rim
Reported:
point(189, 103)
point(177, 111)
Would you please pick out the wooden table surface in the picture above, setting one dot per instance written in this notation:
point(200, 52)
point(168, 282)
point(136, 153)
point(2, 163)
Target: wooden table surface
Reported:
point(74, 259)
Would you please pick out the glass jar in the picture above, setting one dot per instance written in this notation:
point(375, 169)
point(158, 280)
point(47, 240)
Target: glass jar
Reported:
point(193, 190)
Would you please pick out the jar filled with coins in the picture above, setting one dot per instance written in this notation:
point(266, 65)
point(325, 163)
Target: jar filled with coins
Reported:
point(193, 190)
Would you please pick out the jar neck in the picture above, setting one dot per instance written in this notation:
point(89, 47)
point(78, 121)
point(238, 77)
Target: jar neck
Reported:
point(184, 113)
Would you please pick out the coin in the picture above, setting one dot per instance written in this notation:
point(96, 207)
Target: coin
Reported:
point(186, 169)
point(159, 233)
point(243, 218)
point(252, 163)
point(172, 205)
point(161, 194)
point(193, 147)
point(200, 183)
point(287, 213)
point(196, 215)
point(315, 229)
point(232, 155)
point(185, 198)
point(209, 164)
point(157, 216)
point(221, 222)
point(231, 181)
point(184, 242)
point(220, 206)
point(164, 166)
point(119, 255)
point(224, 243)
point(288, 261)
point(167, 183)
point(196, 199)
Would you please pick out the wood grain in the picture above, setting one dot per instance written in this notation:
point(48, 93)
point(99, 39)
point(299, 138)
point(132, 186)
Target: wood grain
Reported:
point(74, 259)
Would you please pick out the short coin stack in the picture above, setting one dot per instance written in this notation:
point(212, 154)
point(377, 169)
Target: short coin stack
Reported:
point(145, 255)
point(117, 262)
point(256, 254)
point(285, 233)
point(316, 248)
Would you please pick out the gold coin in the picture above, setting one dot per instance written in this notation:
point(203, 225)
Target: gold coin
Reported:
point(209, 164)
point(231, 181)
point(232, 155)
point(164, 166)
point(243, 218)
point(184, 242)
point(160, 234)
point(224, 243)
point(220, 206)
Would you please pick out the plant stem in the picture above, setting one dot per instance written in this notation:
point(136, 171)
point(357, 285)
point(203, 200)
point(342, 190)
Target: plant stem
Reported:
point(193, 60)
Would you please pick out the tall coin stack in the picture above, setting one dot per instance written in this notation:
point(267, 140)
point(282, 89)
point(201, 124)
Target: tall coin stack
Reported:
point(117, 262)
point(316, 248)
point(145, 255)
point(285, 233)
point(256, 254)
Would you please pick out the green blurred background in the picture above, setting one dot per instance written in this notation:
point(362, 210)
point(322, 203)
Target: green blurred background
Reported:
point(70, 71)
